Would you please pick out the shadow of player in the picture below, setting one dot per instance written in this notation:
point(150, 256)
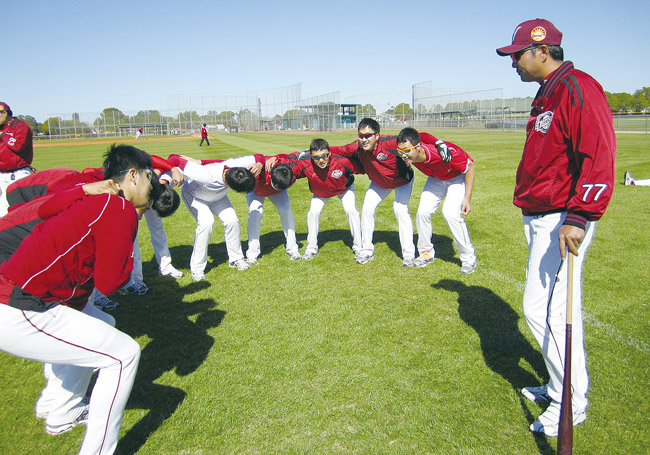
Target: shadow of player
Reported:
point(176, 343)
point(502, 344)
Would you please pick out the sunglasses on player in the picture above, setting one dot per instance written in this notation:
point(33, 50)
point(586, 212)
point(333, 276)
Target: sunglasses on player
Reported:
point(322, 157)
point(366, 136)
point(517, 55)
point(402, 152)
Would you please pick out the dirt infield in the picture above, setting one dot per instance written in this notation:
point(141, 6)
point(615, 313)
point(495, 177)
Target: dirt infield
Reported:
point(45, 143)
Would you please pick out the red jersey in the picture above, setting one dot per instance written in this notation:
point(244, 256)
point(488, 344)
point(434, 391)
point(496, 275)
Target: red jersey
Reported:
point(16, 145)
point(433, 166)
point(382, 165)
point(568, 159)
point(204, 132)
point(263, 180)
point(87, 245)
point(49, 181)
point(337, 177)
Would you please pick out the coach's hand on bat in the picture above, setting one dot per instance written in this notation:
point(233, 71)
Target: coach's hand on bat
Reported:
point(570, 237)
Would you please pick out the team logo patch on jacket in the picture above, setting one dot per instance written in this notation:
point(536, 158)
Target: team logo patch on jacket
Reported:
point(382, 156)
point(543, 121)
point(337, 173)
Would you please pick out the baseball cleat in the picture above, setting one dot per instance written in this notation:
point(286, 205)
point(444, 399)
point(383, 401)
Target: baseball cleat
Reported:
point(239, 264)
point(365, 258)
point(105, 304)
point(408, 262)
point(627, 178)
point(63, 428)
point(295, 256)
point(309, 255)
point(171, 271)
point(135, 287)
point(251, 261)
point(468, 268)
point(198, 276)
point(549, 422)
point(537, 394)
point(425, 258)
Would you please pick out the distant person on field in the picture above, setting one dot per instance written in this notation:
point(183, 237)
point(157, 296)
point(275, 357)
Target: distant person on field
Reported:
point(138, 134)
point(565, 181)
point(204, 135)
point(629, 180)
point(452, 182)
point(16, 152)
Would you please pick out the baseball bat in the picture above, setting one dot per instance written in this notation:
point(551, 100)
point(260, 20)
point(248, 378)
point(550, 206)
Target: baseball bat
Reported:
point(565, 431)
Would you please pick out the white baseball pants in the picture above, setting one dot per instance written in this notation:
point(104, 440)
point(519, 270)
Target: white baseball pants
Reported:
point(158, 241)
point(61, 399)
point(6, 179)
point(545, 300)
point(204, 213)
point(374, 196)
point(453, 193)
point(62, 335)
point(347, 198)
point(254, 226)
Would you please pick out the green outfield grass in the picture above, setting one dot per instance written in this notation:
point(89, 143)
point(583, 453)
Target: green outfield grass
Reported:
point(330, 357)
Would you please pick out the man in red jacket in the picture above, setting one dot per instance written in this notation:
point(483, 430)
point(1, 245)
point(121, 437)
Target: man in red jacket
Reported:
point(45, 283)
point(564, 183)
point(16, 152)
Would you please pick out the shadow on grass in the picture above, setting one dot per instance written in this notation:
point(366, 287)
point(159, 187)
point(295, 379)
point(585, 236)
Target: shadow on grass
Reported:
point(175, 343)
point(502, 344)
point(270, 241)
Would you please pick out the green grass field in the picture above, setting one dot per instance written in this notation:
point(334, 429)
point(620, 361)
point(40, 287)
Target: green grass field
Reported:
point(329, 357)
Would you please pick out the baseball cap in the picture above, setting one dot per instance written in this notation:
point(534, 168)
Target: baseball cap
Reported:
point(4, 107)
point(536, 31)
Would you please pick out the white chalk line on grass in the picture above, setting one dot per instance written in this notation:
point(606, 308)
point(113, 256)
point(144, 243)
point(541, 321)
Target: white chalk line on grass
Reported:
point(611, 331)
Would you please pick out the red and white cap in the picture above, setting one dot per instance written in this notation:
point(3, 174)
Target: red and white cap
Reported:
point(536, 31)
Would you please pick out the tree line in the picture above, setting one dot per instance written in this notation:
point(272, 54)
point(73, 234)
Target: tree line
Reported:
point(619, 103)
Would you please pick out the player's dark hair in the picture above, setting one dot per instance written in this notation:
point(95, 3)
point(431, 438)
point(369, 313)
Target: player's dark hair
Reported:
point(240, 179)
point(408, 134)
point(9, 113)
point(281, 176)
point(204, 124)
point(370, 123)
point(166, 201)
point(318, 144)
point(556, 52)
point(120, 158)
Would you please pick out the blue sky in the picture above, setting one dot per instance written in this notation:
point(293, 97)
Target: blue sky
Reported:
point(83, 56)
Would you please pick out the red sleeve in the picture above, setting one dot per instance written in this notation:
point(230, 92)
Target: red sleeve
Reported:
point(161, 163)
point(259, 158)
point(592, 132)
point(428, 138)
point(114, 233)
point(176, 161)
point(54, 203)
point(211, 161)
point(20, 132)
point(346, 150)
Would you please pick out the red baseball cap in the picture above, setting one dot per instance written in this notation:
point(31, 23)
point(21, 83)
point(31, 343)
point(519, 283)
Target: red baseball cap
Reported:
point(536, 31)
point(4, 107)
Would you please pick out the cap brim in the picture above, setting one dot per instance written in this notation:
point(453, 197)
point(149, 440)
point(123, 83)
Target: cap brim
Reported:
point(507, 50)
